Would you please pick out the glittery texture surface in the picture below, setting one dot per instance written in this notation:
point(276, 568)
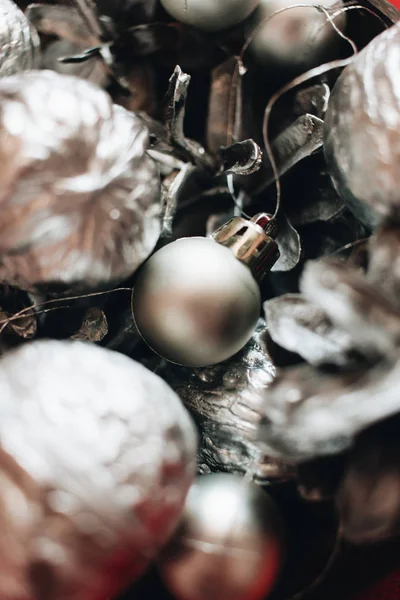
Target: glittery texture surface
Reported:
point(19, 42)
point(226, 401)
point(362, 125)
point(80, 198)
point(96, 457)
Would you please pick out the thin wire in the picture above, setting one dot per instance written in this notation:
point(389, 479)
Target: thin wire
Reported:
point(340, 33)
point(240, 69)
point(310, 74)
point(335, 64)
point(237, 200)
point(349, 246)
point(22, 313)
point(343, 9)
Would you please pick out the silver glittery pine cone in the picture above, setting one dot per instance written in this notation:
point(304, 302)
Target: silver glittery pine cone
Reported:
point(345, 403)
point(19, 41)
point(80, 198)
point(226, 402)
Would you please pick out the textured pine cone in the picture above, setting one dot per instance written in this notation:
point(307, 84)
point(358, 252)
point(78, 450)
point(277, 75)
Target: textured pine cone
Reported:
point(80, 198)
point(346, 324)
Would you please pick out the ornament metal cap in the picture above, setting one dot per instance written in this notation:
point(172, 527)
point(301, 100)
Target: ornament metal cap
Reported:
point(251, 241)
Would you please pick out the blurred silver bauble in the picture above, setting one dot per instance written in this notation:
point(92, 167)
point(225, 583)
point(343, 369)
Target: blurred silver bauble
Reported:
point(19, 42)
point(194, 303)
point(229, 545)
point(297, 39)
point(79, 196)
point(97, 455)
point(226, 401)
point(210, 15)
point(362, 130)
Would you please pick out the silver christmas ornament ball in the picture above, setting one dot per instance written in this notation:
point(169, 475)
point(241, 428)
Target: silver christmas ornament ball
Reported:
point(296, 39)
point(210, 15)
point(194, 303)
point(229, 545)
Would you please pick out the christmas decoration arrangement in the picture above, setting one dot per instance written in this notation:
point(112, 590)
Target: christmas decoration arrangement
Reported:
point(199, 295)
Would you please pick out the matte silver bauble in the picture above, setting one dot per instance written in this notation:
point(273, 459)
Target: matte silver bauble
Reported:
point(194, 303)
point(210, 15)
point(229, 545)
point(297, 39)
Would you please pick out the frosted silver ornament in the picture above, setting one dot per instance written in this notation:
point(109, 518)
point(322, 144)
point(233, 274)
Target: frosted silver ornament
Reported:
point(197, 301)
point(80, 198)
point(296, 39)
point(226, 401)
point(19, 42)
point(97, 455)
point(362, 130)
point(229, 545)
point(210, 15)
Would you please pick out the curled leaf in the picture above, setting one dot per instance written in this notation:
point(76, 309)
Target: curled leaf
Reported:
point(94, 327)
point(172, 186)
point(289, 244)
point(298, 141)
point(175, 104)
point(242, 158)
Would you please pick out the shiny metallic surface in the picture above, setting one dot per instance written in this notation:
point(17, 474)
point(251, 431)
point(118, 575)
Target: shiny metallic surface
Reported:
point(210, 15)
point(226, 402)
point(97, 455)
point(250, 244)
point(194, 303)
point(297, 39)
point(19, 42)
point(229, 545)
point(80, 198)
point(362, 130)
